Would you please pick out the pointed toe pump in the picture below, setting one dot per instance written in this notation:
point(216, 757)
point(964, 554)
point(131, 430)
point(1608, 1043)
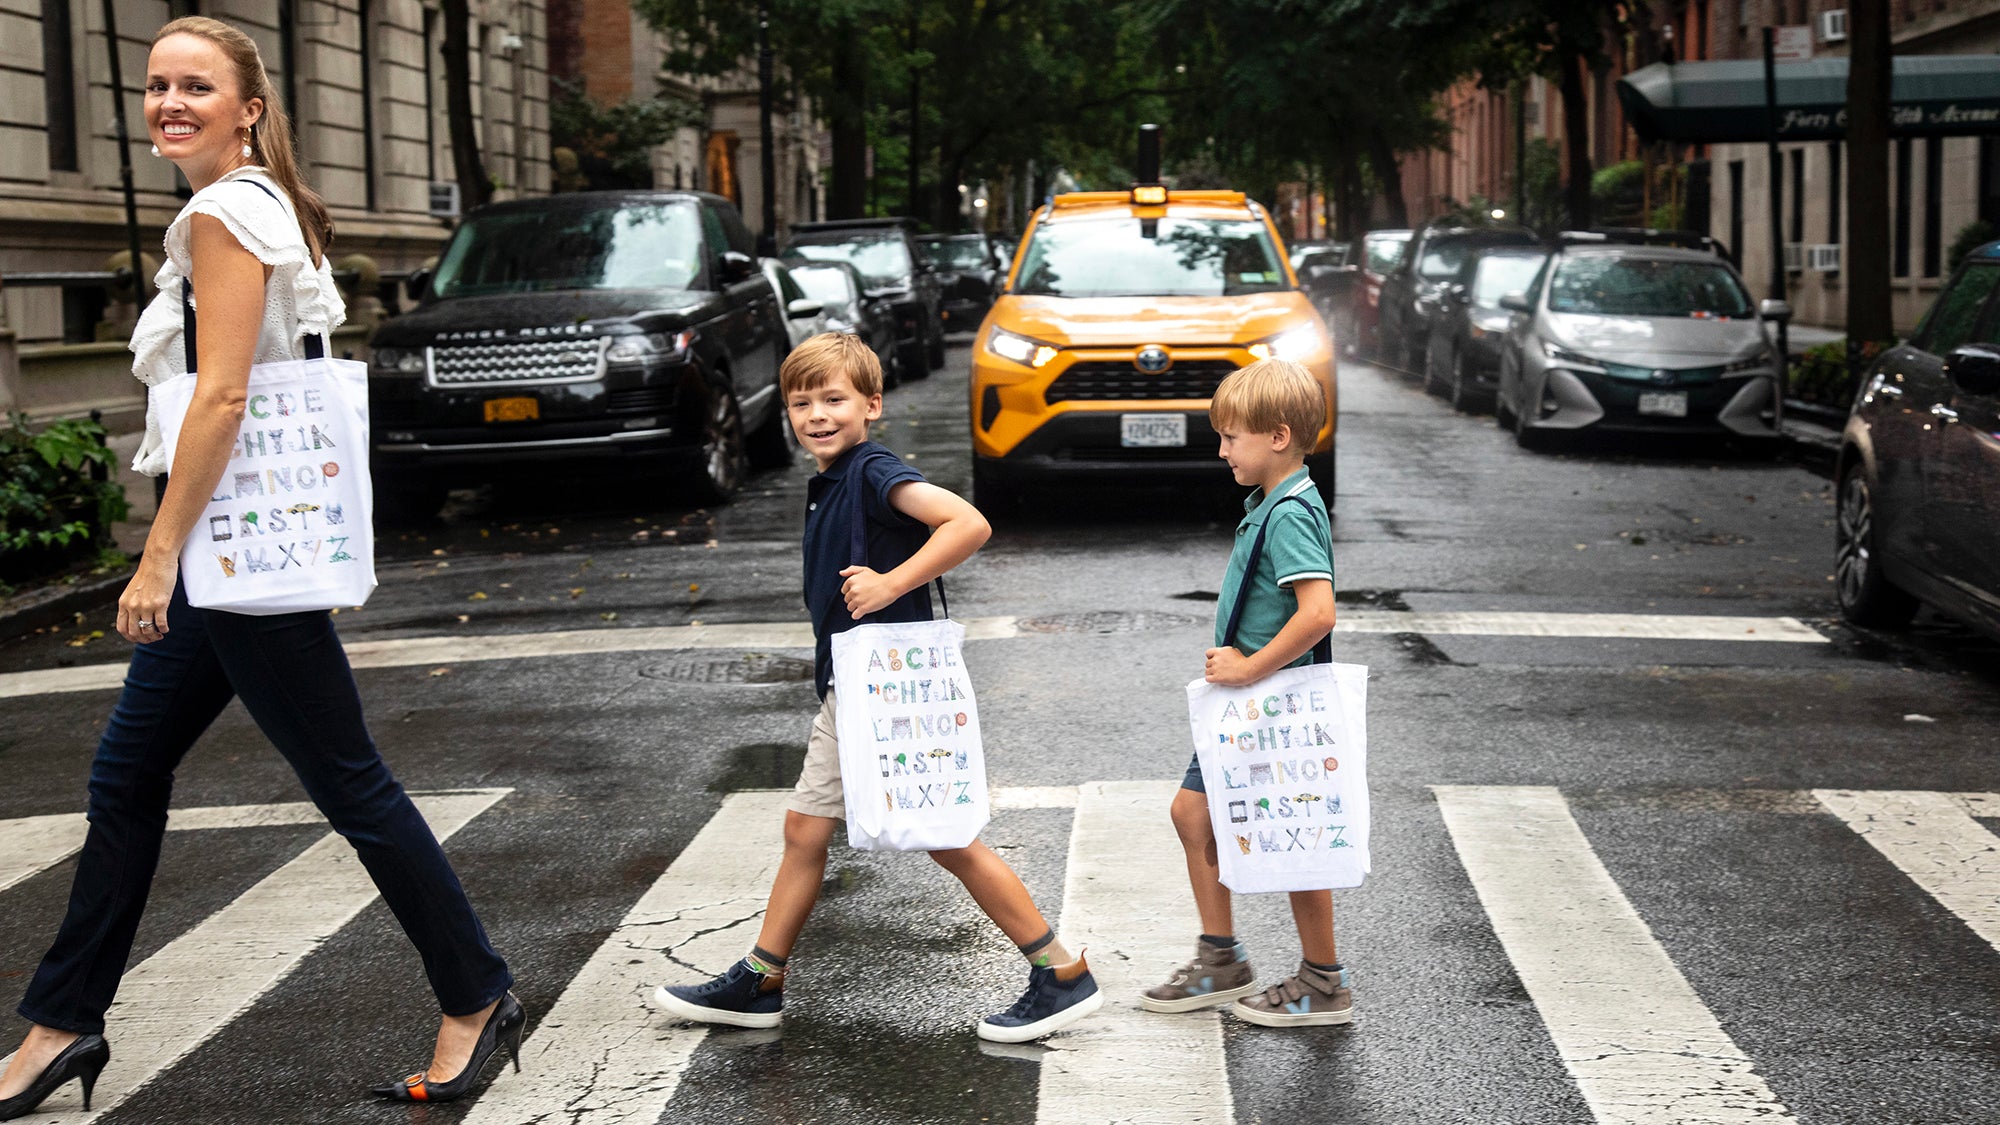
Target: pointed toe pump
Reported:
point(82, 1060)
point(504, 1026)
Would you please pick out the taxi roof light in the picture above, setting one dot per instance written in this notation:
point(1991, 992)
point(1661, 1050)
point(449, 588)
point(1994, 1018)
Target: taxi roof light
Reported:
point(1149, 194)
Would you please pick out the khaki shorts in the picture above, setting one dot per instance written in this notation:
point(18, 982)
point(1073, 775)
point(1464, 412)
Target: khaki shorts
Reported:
point(818, 792)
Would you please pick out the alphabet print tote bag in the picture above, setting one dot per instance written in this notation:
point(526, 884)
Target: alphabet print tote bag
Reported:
point(291, 525)
point(911, 761)
point(1285, 762)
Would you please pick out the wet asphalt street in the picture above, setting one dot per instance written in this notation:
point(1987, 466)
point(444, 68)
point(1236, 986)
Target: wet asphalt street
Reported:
point(1768, 889)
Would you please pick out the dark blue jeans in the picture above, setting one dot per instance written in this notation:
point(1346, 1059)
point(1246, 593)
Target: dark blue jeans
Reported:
point(293, 678)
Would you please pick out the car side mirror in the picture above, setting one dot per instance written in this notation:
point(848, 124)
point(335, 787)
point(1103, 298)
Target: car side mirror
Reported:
point(804, 309)
point(1516, 302)
point(734, 265)
point(1770, 308)
point(1975, 369)
point(418, 283)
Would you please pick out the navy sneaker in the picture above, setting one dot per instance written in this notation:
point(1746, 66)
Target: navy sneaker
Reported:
point(1049, 1005)
point(737, 998)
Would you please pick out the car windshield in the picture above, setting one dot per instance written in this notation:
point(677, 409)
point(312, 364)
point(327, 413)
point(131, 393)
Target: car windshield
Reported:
point(1385, 254)
point(956, 254)
point(641, 246)
point(1444, 258)
point(1128, 257)
point(884, 262)
point(828, 286)
point(1609, 285)
point(1500, 274)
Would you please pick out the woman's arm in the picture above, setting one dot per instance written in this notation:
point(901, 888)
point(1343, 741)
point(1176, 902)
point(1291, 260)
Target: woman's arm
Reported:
point(229, 284)
point(957, 531)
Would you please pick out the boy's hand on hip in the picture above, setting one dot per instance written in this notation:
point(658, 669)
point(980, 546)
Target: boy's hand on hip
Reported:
point(1228, 667)
point(866, 591)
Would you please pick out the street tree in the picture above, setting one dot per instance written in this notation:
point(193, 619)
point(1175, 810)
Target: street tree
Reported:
point(1870, 320)
point(475, 186)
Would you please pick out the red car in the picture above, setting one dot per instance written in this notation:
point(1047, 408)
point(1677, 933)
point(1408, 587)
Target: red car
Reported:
point(1381, 252)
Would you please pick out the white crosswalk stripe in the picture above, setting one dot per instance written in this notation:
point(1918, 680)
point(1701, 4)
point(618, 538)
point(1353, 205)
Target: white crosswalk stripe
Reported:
point(410, 652)
point(1639, 1043)
point(201, 980)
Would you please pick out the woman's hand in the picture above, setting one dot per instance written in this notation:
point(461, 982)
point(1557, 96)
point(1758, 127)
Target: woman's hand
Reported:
point(142, 608)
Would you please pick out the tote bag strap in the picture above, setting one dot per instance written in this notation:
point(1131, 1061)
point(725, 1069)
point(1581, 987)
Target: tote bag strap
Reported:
point(857, 553)
point(315, 343)
point(1322, 652)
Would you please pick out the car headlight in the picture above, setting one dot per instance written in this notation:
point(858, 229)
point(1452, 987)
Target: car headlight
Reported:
point(397, 361)
point(1293, 344)
point(627, 349)
point(1020, 349)
point(1760, 362)
point(1559, 354)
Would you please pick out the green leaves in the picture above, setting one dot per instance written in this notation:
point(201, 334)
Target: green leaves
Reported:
point(48, 498)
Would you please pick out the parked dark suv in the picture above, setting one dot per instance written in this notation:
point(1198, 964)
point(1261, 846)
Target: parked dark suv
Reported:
point(1409, 294)
point(886, 254)
point(1919, 467)
point(969, 274)
point(623, 329)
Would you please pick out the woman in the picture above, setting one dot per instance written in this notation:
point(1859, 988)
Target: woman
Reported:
point(253, 242)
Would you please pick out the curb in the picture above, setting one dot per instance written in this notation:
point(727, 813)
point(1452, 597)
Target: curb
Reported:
point(38, 609)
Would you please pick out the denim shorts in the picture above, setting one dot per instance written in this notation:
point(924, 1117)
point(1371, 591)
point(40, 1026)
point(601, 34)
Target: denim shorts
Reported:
point(1193, 778)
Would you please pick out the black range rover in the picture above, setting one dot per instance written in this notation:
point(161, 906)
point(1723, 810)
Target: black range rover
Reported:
point(608, 330)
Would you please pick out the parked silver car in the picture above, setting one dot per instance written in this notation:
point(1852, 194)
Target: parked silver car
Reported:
point(1627, 336)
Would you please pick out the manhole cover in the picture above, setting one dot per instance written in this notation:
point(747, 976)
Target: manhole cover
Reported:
point(749, 668)
point(1105, 621)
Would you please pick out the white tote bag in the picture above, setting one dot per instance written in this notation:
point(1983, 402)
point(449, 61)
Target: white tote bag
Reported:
point(911, 762)
point(291, 524)
point(1285, 761)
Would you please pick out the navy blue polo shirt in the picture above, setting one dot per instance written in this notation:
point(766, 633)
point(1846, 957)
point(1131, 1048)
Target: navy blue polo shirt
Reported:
point(835, 498)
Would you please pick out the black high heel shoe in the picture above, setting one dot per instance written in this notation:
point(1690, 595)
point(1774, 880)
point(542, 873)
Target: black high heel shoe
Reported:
point(82, 1060)
point(505, 1025)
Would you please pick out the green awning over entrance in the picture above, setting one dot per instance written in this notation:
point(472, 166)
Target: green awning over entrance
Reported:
point(1723, 102)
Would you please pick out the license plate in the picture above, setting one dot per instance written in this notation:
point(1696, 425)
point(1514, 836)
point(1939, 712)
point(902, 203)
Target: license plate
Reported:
point(1669, 404)
point(513, 409)
point(1154, 430)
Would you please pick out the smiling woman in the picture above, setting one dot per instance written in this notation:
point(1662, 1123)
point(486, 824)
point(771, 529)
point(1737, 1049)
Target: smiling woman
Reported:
point(246, 273)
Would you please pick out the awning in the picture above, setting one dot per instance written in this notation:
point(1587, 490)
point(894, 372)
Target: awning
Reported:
point(1723, 102)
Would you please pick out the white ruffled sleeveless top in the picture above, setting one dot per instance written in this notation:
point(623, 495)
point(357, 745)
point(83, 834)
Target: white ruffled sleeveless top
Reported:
point(300, 297)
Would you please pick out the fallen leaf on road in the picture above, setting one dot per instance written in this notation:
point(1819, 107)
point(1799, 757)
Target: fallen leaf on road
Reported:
point(477, 596)
point(576, 591)
point(436, 672)
point(694, 587)
point(1916, 718)
point(464, 617)
point(607, 617)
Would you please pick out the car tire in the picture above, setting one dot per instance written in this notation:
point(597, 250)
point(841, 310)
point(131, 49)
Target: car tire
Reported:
point(915, 360)
point(1458, 387)
point(1503, 411)
point(1434, 383)
point(892, 370)
point(996, 497)
point(936, 352)
point(1322, 467)
point(770, 445)
point(1866, 595)
point(720, 462)
point(409, 503)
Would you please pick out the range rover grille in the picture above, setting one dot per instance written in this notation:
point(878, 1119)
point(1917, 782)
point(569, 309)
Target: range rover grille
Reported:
point(1097, 381)
point(517, 361)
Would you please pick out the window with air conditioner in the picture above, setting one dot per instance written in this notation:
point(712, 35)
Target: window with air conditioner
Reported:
point(1833, 26)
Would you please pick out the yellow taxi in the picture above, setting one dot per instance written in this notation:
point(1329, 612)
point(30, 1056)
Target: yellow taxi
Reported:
point(1122, 313)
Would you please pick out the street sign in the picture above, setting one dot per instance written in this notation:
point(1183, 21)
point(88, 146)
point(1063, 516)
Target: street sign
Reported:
point(1795, 44)
point(444, 200)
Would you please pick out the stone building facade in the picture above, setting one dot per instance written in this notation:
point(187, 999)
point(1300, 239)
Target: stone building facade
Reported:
point(362, 80)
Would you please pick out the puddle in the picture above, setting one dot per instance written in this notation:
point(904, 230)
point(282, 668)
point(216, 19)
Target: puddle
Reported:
point(761, 765)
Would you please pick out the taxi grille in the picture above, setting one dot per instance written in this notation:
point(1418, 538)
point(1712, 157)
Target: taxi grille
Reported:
point(517, 361)
point(1121, 382)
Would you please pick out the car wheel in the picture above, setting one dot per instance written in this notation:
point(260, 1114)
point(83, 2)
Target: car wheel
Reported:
point(409, 503)
point(1867, 597)
point(995, 497)
point(1321, 466)
point(1460, 383)
point(1433, 372)
point(915, 360)
point(770, 445)
point(1503, 412)
point(936, 353)
point(892, 370)
point(721, 467)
